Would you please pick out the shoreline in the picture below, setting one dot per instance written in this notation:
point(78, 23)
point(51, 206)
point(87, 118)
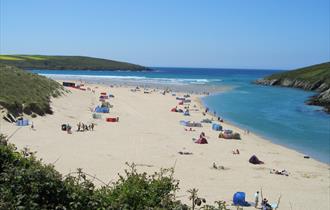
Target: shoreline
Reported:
point(199, 101)
point(232, 124)
point(149, 135)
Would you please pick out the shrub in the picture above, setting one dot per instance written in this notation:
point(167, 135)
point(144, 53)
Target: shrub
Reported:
point(27, 183)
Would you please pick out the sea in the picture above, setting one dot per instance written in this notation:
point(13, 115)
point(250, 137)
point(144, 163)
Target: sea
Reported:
point(278, 114)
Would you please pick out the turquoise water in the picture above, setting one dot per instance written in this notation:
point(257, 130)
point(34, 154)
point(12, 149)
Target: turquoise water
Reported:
point(278, 114)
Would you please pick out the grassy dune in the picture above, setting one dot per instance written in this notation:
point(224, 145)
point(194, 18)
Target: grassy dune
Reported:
point(21, 91)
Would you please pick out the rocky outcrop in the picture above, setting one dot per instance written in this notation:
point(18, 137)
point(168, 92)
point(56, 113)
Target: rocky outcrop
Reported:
point(320, 99)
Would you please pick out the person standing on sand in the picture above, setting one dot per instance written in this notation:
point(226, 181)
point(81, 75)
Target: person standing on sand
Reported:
point(256, 199)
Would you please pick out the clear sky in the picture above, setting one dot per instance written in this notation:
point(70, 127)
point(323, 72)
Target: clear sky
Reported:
point(266, 34)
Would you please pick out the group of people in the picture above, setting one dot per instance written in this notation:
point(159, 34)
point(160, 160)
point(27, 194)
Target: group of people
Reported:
point(84, 127)
point(264, 203)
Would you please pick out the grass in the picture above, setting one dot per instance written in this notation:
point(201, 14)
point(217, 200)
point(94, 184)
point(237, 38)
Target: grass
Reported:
point(10, 58)
point(320, 72)
point(21, 91)
point(66, 63)
point(32, 57)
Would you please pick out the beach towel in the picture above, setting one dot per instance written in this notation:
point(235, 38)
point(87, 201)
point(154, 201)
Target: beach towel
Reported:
point(111, 119)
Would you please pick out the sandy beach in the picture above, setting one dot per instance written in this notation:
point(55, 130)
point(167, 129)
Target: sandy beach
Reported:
point(150, 135)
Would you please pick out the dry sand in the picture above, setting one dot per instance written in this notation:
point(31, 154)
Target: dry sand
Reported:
point(149, 135)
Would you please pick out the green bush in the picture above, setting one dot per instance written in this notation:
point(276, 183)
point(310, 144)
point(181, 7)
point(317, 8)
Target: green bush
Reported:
point(26, 183)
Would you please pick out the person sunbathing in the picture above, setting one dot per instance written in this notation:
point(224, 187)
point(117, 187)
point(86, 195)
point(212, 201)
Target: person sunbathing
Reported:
point(283, 172)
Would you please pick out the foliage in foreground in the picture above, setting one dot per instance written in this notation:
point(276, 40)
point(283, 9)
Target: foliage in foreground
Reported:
point(22, 91)
point(26, 183)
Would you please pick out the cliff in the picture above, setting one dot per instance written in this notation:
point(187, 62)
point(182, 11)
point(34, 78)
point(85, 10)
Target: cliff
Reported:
point(313, 78)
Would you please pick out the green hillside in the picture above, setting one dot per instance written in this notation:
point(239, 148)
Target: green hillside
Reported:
point(66, 63)
point(312, 74)
point(314, 78)
point(21, 91)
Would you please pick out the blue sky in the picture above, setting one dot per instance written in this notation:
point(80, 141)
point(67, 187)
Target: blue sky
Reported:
point(265, 34)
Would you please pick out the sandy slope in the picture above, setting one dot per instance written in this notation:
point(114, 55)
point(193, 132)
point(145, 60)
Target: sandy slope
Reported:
point(151, 136)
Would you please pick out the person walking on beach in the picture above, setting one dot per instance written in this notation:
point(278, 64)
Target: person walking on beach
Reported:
point(79, 124)
point(256, 199)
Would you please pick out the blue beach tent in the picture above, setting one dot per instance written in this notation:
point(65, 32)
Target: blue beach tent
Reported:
point(216, 127)
point(183, 122)
point(22, 122)
point(99, 109)
point(239, 199)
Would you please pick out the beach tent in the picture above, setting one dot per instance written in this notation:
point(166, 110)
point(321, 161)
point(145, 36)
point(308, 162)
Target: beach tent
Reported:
point(22, 122)
point(201, 141)
point(216, 127)
point(229, 135)
point(254, 160)
point(104, 97)
point(186, 113)
point(228, 131)
point(206, 121)
point(183, 122)
point(99, 109)
point(239, 199)
point(97, 116)
point(193, 124)
point(69, 84)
